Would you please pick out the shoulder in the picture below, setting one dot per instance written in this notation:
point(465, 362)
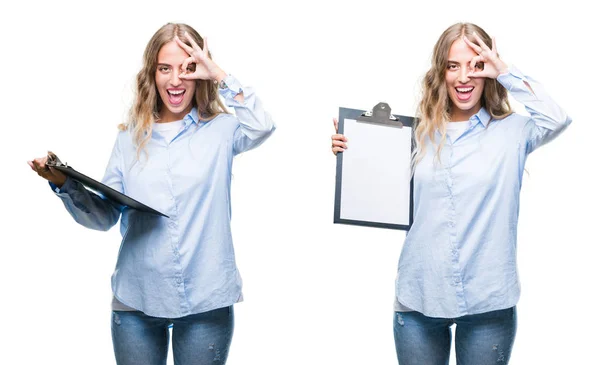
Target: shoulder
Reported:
point(223, 120)
point(124, 142)
point(512, 121)
point(123, 137)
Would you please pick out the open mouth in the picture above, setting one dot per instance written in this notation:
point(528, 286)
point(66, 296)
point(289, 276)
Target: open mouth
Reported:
point(175, 96)
point(464, 93)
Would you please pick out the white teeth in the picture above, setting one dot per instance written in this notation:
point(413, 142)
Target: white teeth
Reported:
point(178, 92)
point(464, 89)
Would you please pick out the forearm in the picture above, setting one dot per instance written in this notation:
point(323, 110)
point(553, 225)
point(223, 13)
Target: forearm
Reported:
point(256, 125)
point(548, 119)
point(87, 208)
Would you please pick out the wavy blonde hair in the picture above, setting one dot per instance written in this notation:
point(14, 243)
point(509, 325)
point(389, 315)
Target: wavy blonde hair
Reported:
point(147, 103)
point(434, 108)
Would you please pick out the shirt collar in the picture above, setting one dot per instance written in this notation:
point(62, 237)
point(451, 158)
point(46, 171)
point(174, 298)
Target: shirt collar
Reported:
point(191, 117)
point(482, 117)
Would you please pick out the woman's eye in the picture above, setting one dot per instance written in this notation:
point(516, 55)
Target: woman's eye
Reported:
point(163, 69)
point(191, 67)
point(479, 65)
point(452, 67)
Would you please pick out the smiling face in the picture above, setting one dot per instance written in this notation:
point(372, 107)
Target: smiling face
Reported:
point(464, 91)
point(176, 94)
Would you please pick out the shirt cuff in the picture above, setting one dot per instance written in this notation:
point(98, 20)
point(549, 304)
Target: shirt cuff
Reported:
point(511, 77)
point(69, 185)
point(233, 87)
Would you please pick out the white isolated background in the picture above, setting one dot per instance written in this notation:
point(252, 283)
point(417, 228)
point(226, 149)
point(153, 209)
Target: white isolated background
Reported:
point(315, 292)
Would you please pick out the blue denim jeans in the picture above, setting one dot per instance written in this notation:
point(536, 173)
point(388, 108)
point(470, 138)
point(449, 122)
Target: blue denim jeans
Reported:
point(481, 339)
point(202, 338)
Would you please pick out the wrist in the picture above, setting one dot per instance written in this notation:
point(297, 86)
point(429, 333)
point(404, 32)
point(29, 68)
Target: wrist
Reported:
point(219, 76)
point(58, 183)
point(501, 67)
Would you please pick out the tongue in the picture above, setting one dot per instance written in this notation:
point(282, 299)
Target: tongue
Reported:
point(176, 99)
point(464, 96)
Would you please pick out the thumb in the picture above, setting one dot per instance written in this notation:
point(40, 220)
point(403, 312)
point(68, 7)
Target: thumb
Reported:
point(56, 172)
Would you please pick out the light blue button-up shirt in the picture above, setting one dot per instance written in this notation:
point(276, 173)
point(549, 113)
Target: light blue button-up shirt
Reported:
point(459, 256)
point(184, 264)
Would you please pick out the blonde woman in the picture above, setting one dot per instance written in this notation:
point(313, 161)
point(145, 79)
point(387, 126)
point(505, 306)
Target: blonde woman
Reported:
point(175, 154)
point(458, 262)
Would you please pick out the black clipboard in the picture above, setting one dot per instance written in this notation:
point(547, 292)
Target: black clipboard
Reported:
point(381, 116)
point(97, 186)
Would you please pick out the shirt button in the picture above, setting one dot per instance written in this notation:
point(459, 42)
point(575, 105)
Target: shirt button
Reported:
point(178, 280)
point(457, 280)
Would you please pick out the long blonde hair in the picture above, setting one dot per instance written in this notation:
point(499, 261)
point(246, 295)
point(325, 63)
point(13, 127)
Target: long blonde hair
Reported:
point(434, 109)
point(147, 104)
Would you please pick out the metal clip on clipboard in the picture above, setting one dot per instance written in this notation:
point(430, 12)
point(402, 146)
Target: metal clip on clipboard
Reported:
point(54, 161)
point(380, 114)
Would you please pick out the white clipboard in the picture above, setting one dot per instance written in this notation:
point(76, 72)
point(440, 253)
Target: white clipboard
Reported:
point(373, 175)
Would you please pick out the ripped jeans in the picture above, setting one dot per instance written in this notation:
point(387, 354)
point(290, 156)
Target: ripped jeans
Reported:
point(202, 338)
point(481, 339)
